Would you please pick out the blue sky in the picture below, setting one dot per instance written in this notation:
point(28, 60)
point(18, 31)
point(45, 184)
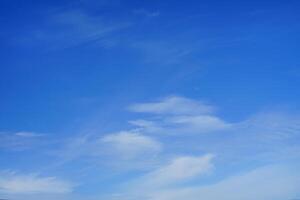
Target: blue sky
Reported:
point(156, 100)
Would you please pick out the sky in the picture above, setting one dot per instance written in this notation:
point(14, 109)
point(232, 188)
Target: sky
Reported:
point(154, 100)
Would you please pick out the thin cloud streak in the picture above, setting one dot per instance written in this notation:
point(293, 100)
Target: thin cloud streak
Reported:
point(12, 183)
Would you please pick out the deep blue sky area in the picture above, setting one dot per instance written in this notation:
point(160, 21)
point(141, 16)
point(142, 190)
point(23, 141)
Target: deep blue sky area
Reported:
point(88, 86)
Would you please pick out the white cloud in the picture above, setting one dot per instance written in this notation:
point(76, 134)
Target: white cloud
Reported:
point(182, 125)
point(266, 183)
point(173, 105)
point(12, 183)
point(265, 137)
point(131, 145)
point(261, 139)
point(198, 124)
point(146, 125)
point(273, 126)
point(178, 115)
point(28, 134)
point(79, 146)
point(181, 169)
point(178, 170)
point(19, 141)
point(122, 151)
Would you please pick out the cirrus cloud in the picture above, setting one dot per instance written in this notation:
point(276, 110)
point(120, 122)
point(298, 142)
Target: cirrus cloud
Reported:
point(13, 183)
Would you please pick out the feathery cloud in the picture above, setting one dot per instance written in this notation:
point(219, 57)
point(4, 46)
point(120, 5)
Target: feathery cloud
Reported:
point(13, 183)
point(174, 105)
point(180, 169)
point(265, 183)
point(20, 140)
point(130, 144)
point(179, 115)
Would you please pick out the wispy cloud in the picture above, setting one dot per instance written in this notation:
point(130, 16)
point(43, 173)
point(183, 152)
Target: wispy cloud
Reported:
point(267, 183)
point(20, 140)
point(124, 150)
point(200, 124)
point(173, 105)
point(178, 170)
point(130, 145)
point(13, 183)
point(272, 182)
point(179, 115)
point(70, 28)
point(164, 145)
point(175, 173)
point(176, 115)
point(28, 134)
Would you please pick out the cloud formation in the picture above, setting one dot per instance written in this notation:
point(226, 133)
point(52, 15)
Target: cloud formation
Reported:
point(178, 115)
point(130, 145)
point(163, 149)
point(19, 141)
point(265, 183)
point(13, 183)
point(178, 170)
point(173, 105)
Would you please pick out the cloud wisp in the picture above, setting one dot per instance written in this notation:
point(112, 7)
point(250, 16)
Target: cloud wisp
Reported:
point(162, 150)
point(124, 150)
point(129, 145)
point(173, 105)
point(265, 183)
point(179, 170)
point(19, 141)
point(179, 115)
point(12, 183)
